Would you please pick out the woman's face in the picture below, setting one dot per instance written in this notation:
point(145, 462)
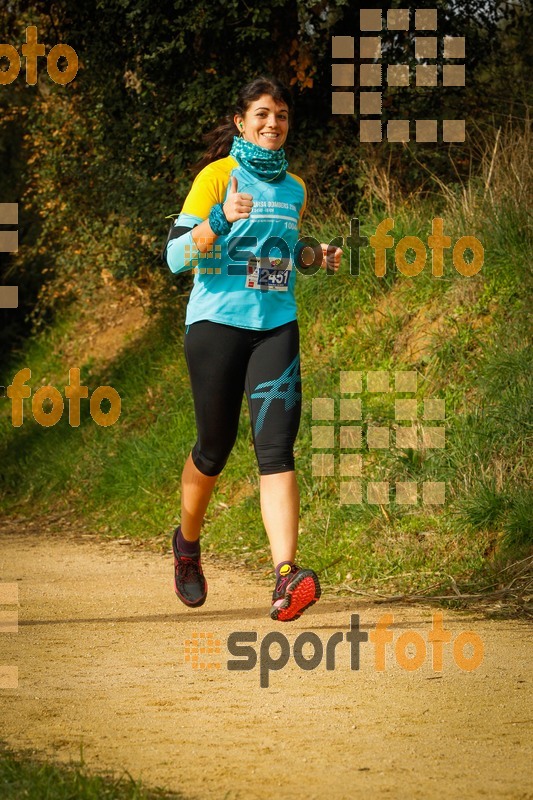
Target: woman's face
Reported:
point(265, 122)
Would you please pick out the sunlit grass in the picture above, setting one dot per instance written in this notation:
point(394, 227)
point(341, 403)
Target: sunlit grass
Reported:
point(23, 775)
point(465, 337)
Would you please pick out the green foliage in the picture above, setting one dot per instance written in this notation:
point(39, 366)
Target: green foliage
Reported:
point(97, 164)
point(22, 776)
point(126, 478)
point(95, 167)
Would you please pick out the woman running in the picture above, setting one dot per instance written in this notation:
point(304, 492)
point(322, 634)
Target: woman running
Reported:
point(238, 231)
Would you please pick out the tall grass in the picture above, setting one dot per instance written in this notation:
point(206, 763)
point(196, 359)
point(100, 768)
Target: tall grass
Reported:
point(24, 776)
point(468, 339)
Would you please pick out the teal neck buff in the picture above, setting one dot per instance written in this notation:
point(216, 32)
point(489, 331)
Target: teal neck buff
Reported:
point(264, 163)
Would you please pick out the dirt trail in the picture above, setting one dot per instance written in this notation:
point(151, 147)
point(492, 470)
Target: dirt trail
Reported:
point(100, 652)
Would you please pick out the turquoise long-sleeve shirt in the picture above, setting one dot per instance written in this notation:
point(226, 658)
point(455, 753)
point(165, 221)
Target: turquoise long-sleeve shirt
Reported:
point(248, 278)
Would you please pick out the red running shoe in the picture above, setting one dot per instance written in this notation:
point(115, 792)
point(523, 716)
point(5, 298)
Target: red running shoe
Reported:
point(190, 584)
point(294, 593)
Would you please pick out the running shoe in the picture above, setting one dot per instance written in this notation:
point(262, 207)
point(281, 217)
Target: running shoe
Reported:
point(190, 584)
point(294, 593)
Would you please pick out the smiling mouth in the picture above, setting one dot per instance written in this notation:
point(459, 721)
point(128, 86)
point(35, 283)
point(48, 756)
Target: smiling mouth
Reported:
point(270, 135)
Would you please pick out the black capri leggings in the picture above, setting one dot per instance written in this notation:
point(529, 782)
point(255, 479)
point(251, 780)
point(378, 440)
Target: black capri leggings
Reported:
point(224, 362)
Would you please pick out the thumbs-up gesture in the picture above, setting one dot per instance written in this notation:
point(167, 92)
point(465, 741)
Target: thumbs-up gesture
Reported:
point(238, 204)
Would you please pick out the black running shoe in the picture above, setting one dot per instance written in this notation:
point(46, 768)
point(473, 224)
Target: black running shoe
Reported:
point(190, 584)
point(294, 593)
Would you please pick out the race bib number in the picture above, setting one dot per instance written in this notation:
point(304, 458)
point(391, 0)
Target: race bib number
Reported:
point(268, 274)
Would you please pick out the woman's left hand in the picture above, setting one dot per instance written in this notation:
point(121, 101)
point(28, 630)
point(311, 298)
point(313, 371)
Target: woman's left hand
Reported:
point(331, 257)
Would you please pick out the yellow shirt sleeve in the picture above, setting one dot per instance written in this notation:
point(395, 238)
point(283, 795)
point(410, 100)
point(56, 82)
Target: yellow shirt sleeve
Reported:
point(304, 187)
point(209, 188)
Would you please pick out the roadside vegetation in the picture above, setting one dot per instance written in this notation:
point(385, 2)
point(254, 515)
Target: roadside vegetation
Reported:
point(23, 776)
point(467, 338)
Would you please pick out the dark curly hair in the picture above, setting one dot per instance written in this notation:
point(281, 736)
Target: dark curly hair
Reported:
point(220, 139)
